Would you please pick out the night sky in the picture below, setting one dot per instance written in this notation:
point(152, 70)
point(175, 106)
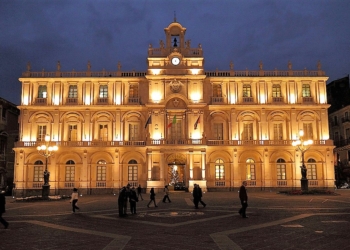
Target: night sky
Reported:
point(105, 32)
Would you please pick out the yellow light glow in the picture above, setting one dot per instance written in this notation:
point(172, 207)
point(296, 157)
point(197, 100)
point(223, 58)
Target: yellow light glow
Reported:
point(322, 99)
point(196, 134)
point(56, 100)
point(156, 96)
point(25, 100)
point(292, 98)
point(117, 100)
point(155, 71)
point(262, 99)
point(195, 97)
point(233, 98)
point(195, 71)
point(87, 100)
point(301, 132)
point(157, 136)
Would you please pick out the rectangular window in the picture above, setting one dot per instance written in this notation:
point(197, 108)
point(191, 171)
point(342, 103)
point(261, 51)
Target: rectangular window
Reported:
point(70, 173)
point(247, 131)
point(217, 90)
point(134, 133)
point(277, 131)
point(247, 91)
point(218, 131)
point(311, 171)
point(103, 91)
point(101, 173)
point(276, 91)
point(73, 91)
point(219, 172)
point(42, 92)
point(103, 132)
point(281, 171)
point(307, 127)
point(132, 173)
point(73, 133)
point(250, 172)
point(41, 132)
point(134, 91)
point(306, 92)
point(38, 174)
point(176, 130)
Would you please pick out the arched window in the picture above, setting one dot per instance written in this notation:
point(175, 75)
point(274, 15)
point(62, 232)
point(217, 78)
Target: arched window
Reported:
point(101, 170)
point(219, 170)
point(132, 170)
point(311, 169)
point(281, 169)
point(38, 171)
point(250, 166)
point(70, 170)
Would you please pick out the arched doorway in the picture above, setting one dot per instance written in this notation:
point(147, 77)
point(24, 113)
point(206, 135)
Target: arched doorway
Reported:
point(176, 174)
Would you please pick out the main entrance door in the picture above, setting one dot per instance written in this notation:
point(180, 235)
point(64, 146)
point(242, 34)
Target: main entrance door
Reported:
point(176, 176)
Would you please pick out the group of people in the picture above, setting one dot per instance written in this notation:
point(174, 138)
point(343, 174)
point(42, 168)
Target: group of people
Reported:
point(128, 194)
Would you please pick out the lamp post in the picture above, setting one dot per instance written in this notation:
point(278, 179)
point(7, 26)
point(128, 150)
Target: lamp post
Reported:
point(46, 150)
point(303, 145)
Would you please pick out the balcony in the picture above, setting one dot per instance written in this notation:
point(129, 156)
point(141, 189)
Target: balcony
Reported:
point(345, 119)
point(72, 101)
point(102, 100)
point(308, 100)
point(248, 99)
point(217, 100)
point(134, 100)
point(40, 101)
point(277, 99)
point(171, 142)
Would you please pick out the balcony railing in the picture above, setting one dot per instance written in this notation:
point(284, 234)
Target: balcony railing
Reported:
point(40, 101)
point(170, 142)
point(277, 99)
point(72, 101)
point(308, 100)
point(248, 99)
point(134, 100)
point(217, 100)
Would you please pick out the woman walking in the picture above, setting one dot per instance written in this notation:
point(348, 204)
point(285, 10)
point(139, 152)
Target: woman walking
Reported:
point(74, 199)
point(152, 197)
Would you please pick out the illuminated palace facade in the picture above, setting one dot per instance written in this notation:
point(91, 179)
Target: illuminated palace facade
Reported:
point(173, 123)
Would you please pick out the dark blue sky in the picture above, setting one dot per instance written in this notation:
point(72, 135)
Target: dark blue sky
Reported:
point(105, 32)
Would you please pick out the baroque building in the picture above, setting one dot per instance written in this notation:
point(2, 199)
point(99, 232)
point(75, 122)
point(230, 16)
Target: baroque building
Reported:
point(176, 122)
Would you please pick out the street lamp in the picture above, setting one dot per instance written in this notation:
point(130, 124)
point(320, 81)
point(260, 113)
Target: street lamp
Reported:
point(46, 150)
point(303, 146)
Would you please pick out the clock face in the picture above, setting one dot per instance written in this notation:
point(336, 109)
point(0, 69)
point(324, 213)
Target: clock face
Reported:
point(175, 61)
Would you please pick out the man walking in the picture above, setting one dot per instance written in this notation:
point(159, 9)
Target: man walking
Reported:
point(166, 194)
point(244, 199)
point(139, 192)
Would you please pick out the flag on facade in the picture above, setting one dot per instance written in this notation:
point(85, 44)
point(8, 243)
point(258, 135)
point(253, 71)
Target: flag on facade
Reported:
point(149, 121)
point(196, 123)
point(173, 122)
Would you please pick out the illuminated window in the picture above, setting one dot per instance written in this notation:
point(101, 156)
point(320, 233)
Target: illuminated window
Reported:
point(281, 169)
point(38, 171)
point(217, 131)
point(217, 90)
point(73, 133)
point(306, 92)
point(247, 131)
point(73, 91)
point(176, 130)
point(247, 91)
point(42, 91)
point(250, 167)
point(311, 169)
point(132, 170)
point(219, 170)
point(103, 91)
point(41, 133)
point(103, 132)
point(101, 170)
point(307, 127)
point(134, 91)
point(277, 131)
point(276, 90)
point(70, 170)
point(134, 133)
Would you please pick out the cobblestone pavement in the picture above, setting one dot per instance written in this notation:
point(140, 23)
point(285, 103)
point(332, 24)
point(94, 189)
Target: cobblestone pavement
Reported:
point(275, 221)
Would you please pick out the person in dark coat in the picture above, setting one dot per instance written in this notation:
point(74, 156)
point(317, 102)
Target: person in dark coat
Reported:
point(200, 196)
point(197, 196)
point(133, 199)
point(139, 192)
point(122, 198)
point(152, 198)
point(244, 199)
point(2, 209)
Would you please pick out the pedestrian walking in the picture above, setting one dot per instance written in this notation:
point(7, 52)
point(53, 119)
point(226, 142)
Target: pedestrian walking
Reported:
point(200, 196)
point(2, 208)
point(244, 199)
point(152, 198)
point(166, 194)
point(122, 198)
point(74, 199)
point(133, 199)
point(139, 191)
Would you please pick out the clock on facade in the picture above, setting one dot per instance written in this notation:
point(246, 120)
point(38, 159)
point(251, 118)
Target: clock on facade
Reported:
point(175, 61)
